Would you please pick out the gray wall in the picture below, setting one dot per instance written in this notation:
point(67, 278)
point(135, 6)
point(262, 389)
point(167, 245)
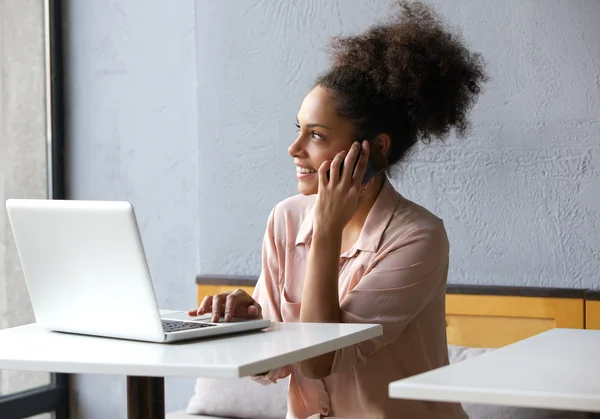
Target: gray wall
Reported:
point(187, 109)
point(133, 135)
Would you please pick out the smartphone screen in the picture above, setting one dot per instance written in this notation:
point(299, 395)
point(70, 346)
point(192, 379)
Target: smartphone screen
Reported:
point(375, 165)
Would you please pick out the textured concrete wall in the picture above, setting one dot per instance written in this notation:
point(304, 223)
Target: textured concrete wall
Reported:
point(520, 195)
point(188, 110)
point(22, 156)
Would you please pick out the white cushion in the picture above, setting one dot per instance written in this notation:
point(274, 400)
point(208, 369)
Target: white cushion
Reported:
point(242, 398)
point(182, 414)
point(461, 353)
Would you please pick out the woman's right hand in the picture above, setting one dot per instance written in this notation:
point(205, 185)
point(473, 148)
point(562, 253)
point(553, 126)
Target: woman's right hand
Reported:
point(237, 303)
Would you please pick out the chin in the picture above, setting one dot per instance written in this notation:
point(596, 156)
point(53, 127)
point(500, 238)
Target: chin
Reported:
point(307, 189)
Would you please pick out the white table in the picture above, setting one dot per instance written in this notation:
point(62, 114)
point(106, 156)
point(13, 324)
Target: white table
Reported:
point(146, 364)
point(558, 369)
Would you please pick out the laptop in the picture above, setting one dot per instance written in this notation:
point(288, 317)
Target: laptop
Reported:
point(86, 273)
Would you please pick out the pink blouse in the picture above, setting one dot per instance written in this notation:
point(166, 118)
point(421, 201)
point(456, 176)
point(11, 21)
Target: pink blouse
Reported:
point(395, 275)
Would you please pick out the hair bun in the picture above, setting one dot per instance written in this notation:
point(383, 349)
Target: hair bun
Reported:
point(416, 68)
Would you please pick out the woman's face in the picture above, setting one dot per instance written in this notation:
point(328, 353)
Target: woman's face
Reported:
point(321, 135)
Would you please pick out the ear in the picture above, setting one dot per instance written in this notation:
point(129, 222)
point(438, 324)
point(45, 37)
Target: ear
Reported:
point(383, 142)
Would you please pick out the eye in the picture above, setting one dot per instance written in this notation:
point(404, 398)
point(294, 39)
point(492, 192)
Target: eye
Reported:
point(316, 136)
point(297, 127)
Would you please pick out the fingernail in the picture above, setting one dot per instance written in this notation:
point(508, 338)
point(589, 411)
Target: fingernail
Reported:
point(227, 317)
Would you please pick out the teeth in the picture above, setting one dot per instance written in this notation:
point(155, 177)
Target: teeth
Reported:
point(304, 170)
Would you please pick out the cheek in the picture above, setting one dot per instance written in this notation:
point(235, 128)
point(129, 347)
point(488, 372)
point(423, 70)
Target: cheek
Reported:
point(319, 154)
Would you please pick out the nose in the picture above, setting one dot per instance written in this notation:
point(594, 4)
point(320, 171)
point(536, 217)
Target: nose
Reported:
point(295, 148)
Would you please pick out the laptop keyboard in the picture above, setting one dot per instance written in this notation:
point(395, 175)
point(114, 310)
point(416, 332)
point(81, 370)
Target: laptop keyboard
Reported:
point(170, 326)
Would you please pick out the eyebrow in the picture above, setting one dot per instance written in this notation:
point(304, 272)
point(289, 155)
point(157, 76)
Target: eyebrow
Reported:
point(313, 125)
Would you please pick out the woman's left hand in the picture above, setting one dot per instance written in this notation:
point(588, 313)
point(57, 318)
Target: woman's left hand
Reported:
point(338, 197)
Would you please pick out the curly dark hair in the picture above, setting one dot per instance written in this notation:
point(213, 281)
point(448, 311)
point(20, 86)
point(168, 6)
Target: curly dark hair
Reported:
point(411, 78)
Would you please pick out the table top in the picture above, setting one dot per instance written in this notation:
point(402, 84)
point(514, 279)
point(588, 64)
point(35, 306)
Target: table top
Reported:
point(31, 347)
point(557, 369)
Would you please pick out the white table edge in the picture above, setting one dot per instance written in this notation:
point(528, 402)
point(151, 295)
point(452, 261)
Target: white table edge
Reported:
point(321, 349)
point(191, 370)
point(411, 388)
point(530, 399)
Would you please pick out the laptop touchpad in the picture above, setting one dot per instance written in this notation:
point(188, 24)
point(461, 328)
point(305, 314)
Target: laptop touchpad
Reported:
point(183, 316)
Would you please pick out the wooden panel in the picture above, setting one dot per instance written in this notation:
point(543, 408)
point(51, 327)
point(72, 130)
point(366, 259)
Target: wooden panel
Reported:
point(512, 306)
point(495, 321)
point(492, 332)
point(204, 290)
point(592, 314)
point(491, 321)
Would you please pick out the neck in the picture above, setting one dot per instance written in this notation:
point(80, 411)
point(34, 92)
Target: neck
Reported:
point(357, 222)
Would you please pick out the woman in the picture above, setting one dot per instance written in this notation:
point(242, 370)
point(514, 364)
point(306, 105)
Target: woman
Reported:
point(342, 251)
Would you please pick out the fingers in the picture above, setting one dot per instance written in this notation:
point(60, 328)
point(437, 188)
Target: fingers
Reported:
point(336, 166)
point(361, 166)
point(350, 162)
point(204, 307)
point(242, 305)
point(218, 307)
point(255, 311)
point(326, 165)
point(230, 306)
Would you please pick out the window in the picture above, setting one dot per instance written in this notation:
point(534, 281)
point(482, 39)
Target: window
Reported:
point(31, 166)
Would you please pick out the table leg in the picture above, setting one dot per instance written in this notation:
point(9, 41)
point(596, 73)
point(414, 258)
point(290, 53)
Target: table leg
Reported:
point(145, 397)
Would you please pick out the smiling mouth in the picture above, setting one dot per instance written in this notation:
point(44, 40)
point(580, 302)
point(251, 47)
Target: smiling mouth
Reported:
point(304, 170)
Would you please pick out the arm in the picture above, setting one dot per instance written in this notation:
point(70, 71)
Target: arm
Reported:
point(320, 299)
point(268, 292)
point(338, 199)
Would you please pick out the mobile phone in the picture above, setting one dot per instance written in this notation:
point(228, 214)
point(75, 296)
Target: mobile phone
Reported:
point(375, 165)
